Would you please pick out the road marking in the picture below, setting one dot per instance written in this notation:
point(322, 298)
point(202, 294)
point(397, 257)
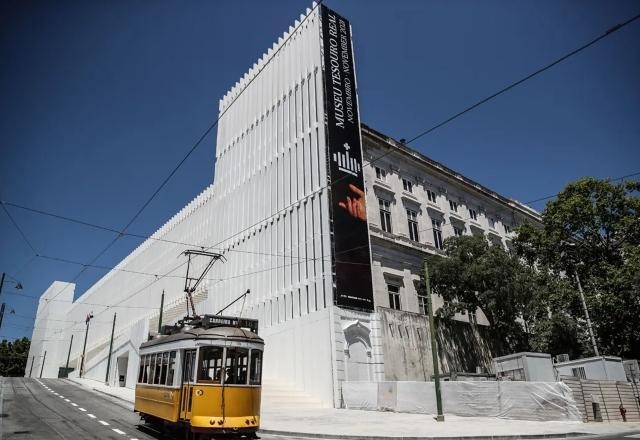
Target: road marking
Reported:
point(82, 409)
point(91, 415)
point(102, 422)
point(67, 400)
point(74, 404)
point(632, 436)
point(117, 431)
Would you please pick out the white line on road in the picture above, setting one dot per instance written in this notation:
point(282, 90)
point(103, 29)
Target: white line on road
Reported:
point(91, 415)
point(102, 422)
point(117, 431)
point(74, 404)
point(82, 409)
point(633, 436)
point(67, 400)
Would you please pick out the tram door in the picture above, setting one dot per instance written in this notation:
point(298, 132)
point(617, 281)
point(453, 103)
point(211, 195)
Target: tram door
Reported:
point(188, 379)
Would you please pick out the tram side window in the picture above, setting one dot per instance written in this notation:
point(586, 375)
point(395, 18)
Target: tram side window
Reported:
point(152, 368)
point(163, 368)
point(141, 369)
point(147, 365)
point(188, 364)
point(210, 364)
point(157, 368)
point(171, 368)
point(255, 374)
point(236, 365)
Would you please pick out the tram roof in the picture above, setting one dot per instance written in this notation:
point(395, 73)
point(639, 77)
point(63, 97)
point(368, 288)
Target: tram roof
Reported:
point(223, 332)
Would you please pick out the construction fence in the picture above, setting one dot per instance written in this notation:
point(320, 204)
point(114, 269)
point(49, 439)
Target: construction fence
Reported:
point(602, 400)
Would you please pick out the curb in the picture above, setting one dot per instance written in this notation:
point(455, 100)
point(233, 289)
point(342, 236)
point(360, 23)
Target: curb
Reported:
point(472, 437)
point(119, 400)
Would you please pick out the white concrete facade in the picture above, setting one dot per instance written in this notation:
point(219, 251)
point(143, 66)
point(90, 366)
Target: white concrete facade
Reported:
point(267, 213)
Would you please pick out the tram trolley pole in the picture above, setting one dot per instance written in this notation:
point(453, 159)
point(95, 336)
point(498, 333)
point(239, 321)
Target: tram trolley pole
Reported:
point(113, 327)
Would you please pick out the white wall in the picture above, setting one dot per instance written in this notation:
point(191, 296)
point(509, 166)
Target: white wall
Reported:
point(47, 336)
point(597, 368)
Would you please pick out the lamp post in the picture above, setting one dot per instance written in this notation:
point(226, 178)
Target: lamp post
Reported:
point(84, 347)
point(582, 299)
point(434, 344)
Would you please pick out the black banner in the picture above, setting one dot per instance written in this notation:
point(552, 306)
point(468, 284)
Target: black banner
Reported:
point(351, 254)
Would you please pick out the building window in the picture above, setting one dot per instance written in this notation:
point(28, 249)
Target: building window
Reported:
point(579, 373)
point(394, 296)
point(412, 219)
point(492, 223)
point(431, 196)
point(437, 233)
point(385, 215)
point(457, 231)
point(381, 174)
point(407, 185)
point(473, 319)
point(507, 229)
point(453, 205)
point(422, 304)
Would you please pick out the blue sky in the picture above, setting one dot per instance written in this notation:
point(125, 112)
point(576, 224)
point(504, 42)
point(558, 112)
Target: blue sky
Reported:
point(99, 101)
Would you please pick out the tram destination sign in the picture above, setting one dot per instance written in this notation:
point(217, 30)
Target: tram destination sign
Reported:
point(351, 251)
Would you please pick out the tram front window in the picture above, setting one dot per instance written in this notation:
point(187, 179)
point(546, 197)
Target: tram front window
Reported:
point(236, 365)
point(210, 364)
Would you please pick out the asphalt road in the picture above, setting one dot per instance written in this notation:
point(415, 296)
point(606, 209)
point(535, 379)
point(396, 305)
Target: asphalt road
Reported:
point(47, 409)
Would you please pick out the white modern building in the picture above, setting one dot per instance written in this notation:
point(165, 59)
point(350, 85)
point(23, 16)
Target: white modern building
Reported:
point(331, 278)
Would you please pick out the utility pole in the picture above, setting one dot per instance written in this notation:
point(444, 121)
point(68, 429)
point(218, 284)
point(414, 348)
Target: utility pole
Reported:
point(84, 347)
point(1, 314)
point(586, 314)
point(434, 344)
point(33, 358)
point(42, 366)
point(160, 317)
point(69, 354)
point(113, 327)
point(1, 282)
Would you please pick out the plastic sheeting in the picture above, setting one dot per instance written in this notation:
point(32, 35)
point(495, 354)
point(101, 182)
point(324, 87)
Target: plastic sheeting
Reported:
point(509, 400)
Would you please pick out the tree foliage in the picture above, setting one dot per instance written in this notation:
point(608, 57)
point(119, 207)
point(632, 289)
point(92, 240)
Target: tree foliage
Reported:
point(530, 297)
point(13, 357)
point(593, 230)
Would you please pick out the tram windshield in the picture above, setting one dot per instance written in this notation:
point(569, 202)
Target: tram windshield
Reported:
point(236, 366)
point(210, 364)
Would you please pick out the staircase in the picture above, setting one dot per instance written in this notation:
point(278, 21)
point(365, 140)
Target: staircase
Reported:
point(279, 395)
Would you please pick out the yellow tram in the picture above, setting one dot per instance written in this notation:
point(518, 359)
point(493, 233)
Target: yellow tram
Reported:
point(204, 375)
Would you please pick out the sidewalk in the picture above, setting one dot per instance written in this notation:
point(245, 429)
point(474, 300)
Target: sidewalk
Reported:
point(342, 423)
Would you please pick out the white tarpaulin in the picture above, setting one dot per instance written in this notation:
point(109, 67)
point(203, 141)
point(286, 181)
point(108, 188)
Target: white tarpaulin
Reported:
point(508, 400)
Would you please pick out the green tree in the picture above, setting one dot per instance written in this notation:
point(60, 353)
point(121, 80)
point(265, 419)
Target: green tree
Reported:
point(476, 275)
point(592, 229)
point(13, 357)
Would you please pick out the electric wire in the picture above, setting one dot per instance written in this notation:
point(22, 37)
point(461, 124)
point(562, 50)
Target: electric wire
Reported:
point(608, 32)
point(193, 148)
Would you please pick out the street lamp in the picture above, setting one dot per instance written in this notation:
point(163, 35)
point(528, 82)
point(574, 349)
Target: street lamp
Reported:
point(582, 300)
point(84, 347)
point(18, 284)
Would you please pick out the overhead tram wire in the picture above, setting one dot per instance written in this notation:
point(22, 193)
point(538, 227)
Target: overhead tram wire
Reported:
point(608, 180)
point(109, 229)
point(608, 32)
point(193, 148)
